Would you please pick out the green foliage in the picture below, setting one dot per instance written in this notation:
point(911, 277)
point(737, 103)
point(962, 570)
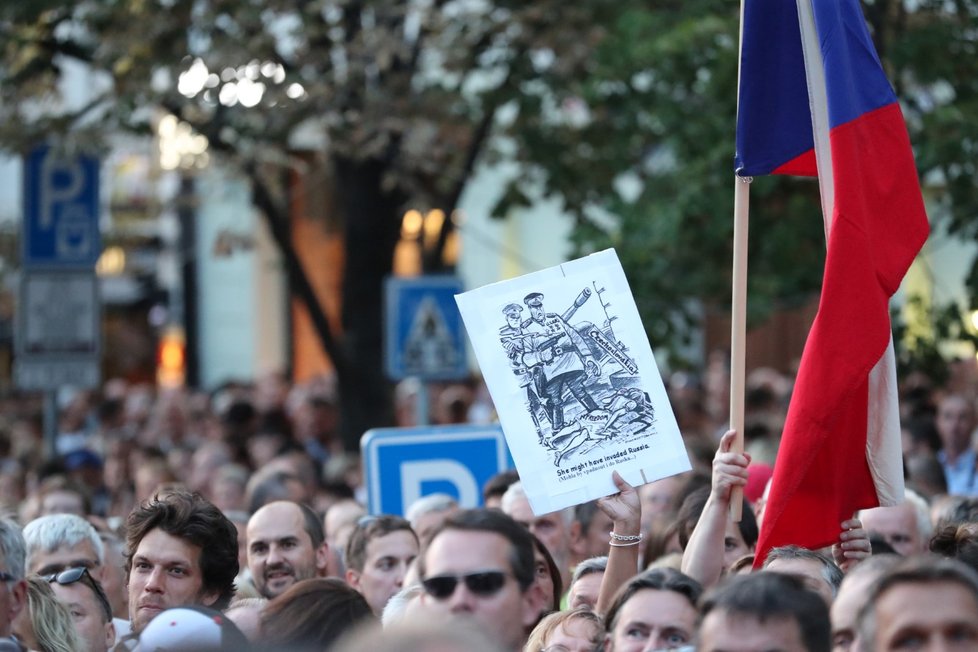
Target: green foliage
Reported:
point(933, 53)
point(923, 342)
point(661, 96)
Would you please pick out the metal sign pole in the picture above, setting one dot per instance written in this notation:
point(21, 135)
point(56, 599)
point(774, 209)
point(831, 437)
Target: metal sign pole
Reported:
point(50, 423)
point(422, 417)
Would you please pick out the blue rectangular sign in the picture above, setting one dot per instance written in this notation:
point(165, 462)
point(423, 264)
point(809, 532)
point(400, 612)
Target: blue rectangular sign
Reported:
point(404, 464)
point(61, 210)
point(424, 332)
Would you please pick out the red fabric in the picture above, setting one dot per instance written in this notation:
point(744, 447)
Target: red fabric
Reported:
point(800, 166)
point(757, 477)
point(821, 476)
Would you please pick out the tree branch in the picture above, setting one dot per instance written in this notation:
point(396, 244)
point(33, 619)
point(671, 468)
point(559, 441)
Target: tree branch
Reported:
point(434, 259)
point(263, 199)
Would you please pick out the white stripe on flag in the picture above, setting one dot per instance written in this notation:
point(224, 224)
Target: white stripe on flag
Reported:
point(819, 106)
point(883, 442)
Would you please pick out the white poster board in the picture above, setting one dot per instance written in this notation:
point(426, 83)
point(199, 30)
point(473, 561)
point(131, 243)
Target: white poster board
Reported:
point(571, 373)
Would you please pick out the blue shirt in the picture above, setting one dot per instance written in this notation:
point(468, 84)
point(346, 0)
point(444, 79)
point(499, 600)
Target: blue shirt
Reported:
point(961, 476)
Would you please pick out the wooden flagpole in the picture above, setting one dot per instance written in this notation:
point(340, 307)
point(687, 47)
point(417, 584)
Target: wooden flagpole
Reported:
point(738, 327)
point(738, 302)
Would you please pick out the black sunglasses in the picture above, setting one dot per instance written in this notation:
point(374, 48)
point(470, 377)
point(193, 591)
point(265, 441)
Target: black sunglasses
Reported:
point(81, 574)
point(67, 576)
point(482, 583)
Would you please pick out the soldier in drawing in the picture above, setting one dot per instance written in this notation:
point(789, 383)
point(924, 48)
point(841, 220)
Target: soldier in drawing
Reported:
point(514, 341)
point(558, 357)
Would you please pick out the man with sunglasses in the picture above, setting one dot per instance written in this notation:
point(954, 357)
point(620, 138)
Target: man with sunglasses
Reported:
point(479, 566)
point(88, 605)
point(61, 541)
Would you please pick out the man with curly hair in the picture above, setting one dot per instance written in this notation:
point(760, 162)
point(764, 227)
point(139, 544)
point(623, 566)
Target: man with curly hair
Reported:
point(180, 550)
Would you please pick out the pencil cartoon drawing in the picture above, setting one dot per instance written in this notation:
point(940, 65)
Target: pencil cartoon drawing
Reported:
point(582, 389)
point(574, 381)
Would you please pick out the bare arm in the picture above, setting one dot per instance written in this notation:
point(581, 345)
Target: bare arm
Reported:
point(703, 557)
point(625, 510)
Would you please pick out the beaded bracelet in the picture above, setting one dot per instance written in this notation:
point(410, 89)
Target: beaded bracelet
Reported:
point(625, 537)
point(623, 545)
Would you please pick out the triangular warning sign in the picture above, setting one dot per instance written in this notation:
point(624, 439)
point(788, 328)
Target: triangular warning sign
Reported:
point(429, 348)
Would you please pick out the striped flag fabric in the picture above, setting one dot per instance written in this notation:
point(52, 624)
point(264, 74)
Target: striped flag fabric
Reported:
point(814, 100)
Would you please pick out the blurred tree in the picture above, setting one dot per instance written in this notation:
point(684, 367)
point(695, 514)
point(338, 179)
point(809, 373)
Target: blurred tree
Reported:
point(395, 99)
point(622, 108)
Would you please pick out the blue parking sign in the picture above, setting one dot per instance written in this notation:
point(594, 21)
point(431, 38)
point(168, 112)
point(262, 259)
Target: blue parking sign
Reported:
point(424, 335)
point(61, 210)
point(404, 464)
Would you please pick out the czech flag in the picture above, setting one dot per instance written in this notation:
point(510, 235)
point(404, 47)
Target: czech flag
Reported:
point(813, 100)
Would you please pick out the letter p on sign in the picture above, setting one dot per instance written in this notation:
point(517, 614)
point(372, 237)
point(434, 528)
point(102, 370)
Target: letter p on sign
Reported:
point(404, 464)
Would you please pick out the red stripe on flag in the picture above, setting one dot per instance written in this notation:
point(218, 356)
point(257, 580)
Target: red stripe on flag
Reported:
point(821, 476)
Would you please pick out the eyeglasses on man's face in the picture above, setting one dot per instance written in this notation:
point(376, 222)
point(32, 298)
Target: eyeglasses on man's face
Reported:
point(481, 583)
point(81, 574)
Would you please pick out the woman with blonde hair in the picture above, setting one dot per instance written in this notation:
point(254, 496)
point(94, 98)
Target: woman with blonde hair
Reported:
point(46, 624)
point(576, 630)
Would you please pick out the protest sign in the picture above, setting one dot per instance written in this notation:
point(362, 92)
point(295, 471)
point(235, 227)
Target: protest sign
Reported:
point(572, 375)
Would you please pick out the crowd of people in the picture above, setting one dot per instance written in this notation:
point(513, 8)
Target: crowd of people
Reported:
point(235, 520)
